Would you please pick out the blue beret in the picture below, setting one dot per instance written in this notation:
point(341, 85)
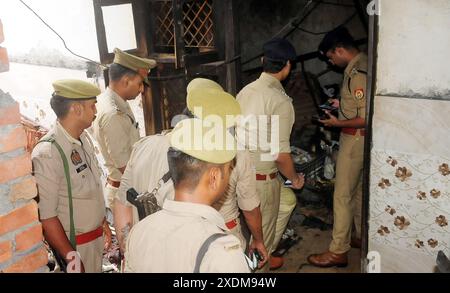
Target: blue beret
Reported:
point(279, 50)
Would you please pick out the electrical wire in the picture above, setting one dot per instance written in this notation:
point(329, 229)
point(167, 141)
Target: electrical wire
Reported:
point(293, 27)
point(325, 32)
point(155, 78)
point(337, 4)
point(59, 36)
point(183, 75)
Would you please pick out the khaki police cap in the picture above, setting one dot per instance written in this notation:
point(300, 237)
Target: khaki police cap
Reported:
point(203, 83)
point(208, 102)
point(205, 141)
point(75, 89)
point(140, 65)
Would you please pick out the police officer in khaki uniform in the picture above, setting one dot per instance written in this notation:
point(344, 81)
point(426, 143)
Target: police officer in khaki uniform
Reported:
point(266, 100)
point(173, 239)
point(339, 48)
point(115, 128)
point(71, 203)
point(148, 151)
point(205, 97)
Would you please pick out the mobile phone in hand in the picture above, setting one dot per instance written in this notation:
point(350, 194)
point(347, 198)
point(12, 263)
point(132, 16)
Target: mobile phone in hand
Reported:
point(288, 183)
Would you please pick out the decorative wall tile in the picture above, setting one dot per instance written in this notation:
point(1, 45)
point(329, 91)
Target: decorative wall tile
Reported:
point(410, 202)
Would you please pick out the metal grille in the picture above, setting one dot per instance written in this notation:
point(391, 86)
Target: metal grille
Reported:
point(197, 20)
point(198, 24)
point(164, 24)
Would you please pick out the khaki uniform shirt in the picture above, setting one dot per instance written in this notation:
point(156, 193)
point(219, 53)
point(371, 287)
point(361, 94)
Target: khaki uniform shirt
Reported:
point(168, 241)
point(87, 194)
point(115, 130)
point(353, 91)
point(148, 164)
point(241, 192)
point(263, 98)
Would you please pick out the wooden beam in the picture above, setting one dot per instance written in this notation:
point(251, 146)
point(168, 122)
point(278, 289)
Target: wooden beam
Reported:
point(140, 13)
point(147, 107)
point(101, 33)
point(177, 10)
point(232, 47)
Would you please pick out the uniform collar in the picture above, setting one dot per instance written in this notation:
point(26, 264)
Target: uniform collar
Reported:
point(120, 103)
point(271, 81)
point(195, 209)
point(352, 63)
point(59, 129)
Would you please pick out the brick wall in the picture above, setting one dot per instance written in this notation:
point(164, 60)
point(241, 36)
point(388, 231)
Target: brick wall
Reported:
point(21, 245)
point(4, 61)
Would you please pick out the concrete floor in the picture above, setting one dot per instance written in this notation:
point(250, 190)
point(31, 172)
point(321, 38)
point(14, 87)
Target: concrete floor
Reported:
point(314, 241)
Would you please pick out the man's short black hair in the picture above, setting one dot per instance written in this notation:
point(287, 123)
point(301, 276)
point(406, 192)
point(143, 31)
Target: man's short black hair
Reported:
point(272, 66)
point(188, 113)
point(339, 37)
point(60, 105)
point(117, 71)
point(185, 168)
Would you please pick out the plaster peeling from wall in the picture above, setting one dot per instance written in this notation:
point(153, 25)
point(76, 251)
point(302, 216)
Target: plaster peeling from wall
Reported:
point(412, 211)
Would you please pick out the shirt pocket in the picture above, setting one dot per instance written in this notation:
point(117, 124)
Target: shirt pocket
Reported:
point(83, 184)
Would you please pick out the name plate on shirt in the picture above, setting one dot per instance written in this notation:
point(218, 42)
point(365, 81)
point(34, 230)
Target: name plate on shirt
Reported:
point(81, 168)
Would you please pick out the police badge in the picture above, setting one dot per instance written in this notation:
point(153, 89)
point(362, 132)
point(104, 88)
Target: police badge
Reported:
point(359, 94)
point(76, 158)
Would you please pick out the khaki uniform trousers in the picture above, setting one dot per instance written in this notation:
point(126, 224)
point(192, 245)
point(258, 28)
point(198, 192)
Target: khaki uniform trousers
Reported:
point(269, 192)
point(92, 255)
point(348, 191)
point(288, 201)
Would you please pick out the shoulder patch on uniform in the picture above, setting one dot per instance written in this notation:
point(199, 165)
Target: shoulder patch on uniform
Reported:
point(229, 243)
point(359, 94)
point(232, 247)
point(43, 150)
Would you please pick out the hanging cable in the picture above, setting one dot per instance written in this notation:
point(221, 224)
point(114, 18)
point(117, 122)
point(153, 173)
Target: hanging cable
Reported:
point(155, 78)
point(291, 24)
point(325, 32)
point(337, 4)
point(197, 74)
point(59, 36)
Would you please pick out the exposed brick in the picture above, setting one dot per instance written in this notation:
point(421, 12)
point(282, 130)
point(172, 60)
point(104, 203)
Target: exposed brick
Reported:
point(2, 37)
point(10, 114)
point(5, 251)
point(29, 263)
point(19, 217)
point(4, 60)
point(25, 189)
point(28, 238)
point(14, 139)
point(15, 168)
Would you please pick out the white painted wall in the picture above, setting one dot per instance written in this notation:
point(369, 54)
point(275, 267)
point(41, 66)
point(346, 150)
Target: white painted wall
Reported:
point(408, 219)
point(414, 47)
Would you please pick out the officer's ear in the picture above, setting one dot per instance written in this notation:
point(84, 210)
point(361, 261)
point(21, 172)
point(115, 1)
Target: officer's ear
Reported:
point(76, 108)
point(339, 51)
point(215, 175)
point(125, 80)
